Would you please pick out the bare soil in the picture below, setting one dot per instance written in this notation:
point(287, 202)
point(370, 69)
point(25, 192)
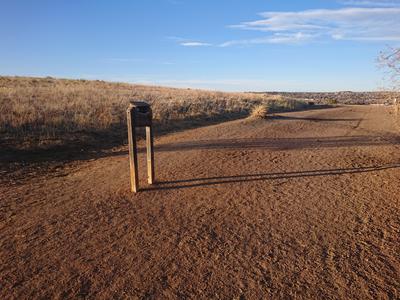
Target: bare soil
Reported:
point(300, 205)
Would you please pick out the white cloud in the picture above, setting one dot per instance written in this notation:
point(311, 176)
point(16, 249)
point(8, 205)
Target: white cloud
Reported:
point(277, 38)
point(187, 42)
point(377, 3)
point(195, 44)
point(353, 23)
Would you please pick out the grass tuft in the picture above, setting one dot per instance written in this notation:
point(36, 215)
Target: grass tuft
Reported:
point(259, 112)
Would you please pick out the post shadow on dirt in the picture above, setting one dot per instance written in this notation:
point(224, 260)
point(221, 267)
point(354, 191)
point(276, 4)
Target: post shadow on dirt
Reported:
point(217, 180)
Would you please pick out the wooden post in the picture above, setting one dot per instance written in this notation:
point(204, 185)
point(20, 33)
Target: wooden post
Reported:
point(133, 160)
point(140, 115)
point(150, 154)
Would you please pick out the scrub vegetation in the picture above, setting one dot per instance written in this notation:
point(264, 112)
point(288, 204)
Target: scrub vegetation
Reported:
point(43, 112)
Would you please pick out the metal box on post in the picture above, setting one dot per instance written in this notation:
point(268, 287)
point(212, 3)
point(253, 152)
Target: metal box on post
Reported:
point(142, 113)
point(139, 114)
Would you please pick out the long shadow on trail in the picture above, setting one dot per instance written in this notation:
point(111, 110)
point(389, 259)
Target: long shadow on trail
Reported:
point(293, 118)
point(274, 144)
point(280, 143)
point(240, 144)
point(207, 181)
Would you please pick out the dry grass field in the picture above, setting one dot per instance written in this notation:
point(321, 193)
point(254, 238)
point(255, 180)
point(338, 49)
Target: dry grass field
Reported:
point(44, 112)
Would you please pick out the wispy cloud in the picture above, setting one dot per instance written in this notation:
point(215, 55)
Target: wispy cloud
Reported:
point(188, 42)
point(352, 23)
point(195, 44)
point(276, 38)
point(377, 3)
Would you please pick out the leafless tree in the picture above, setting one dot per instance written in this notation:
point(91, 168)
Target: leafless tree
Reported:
point(389, 60)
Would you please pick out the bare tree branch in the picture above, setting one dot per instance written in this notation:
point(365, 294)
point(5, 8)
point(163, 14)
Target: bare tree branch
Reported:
point(389, 60)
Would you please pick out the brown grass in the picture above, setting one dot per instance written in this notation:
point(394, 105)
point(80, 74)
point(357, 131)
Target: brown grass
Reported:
point(259, 111)
point(46, 111)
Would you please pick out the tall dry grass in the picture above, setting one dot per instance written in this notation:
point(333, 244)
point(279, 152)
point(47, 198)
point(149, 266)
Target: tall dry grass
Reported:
point(259, 112)
point(47, 111)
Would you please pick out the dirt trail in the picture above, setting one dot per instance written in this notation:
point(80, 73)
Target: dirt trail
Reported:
point(303, 205)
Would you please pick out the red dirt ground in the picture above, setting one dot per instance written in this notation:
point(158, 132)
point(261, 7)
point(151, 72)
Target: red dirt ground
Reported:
point(302, 205)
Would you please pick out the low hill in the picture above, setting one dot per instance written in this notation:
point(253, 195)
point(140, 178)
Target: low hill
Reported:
point(43, 112)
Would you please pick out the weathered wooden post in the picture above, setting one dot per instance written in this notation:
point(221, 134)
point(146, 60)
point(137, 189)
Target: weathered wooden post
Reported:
point(140, 115)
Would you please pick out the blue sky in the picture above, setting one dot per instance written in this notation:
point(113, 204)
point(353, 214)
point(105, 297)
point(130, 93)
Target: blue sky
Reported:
point(233, 45)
